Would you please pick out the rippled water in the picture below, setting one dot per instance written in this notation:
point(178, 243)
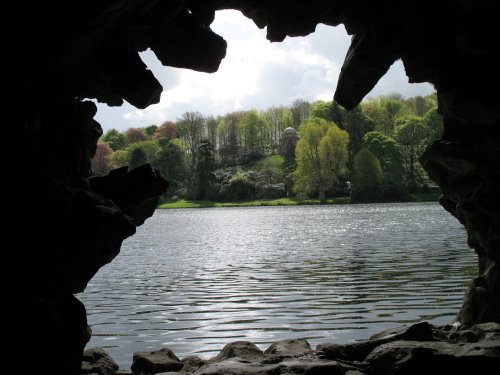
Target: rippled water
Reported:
point(196, 279)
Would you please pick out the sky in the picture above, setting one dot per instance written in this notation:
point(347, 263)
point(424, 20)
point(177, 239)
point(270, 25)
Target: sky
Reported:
point(255, 74)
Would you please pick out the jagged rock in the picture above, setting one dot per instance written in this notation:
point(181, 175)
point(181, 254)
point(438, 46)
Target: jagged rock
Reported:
point(289, 348)
point(410, 357)
point(97, 361)
point(63, 52)
point(163, 360)
point(241, 349)
point(358, 351)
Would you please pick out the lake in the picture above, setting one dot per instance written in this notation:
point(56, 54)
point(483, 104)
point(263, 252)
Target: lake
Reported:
point(196, 279)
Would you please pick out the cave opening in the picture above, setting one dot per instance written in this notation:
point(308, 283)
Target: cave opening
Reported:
point(59, 54)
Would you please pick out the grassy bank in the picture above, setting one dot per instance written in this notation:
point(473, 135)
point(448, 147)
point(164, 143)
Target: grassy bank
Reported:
point(183, 203)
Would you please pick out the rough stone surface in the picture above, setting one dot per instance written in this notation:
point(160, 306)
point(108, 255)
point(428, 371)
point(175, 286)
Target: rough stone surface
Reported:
point(60, 53)
point(163, 360)
point(408, 350)
point(98, 361)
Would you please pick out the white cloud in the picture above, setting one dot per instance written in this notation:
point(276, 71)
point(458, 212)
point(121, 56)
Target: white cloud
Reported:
point(254, 74)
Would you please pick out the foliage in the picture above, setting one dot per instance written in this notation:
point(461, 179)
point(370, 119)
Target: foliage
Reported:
point(322, 109)
point(204, 170)
point(300, 112)
point(150, 131)
point(133, 135)
point(321, 155)
point(101, 163)
point(149, 148)
point(239, 188)
point(190, 128)
point(119, 158)
point(137, 158)
point(114, 139)
point(386, 150)
point(166, 130)
point(433, 123)
point(253, 131)
point(411, 135)
point(170, 162)
point(367, 177)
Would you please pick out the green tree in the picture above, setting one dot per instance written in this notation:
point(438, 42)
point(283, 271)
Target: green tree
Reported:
point(212, 124)
point(357, 124)
point(190, 128)
point(137, 158)
point(278, 118)
point(384, 110)
point(410, 134)
point(321, 155)
point(204, 170)
point(149, 148)
point(386, 150)
point(119, 158)
point(433, 123)
point(300, 112)
point(170, 161)
point(322, 109)
point(114, 139)
point(253, 130)
point(367, 176)
point(150, 130)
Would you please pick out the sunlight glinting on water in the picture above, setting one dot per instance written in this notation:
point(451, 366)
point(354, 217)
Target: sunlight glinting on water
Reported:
point(197, 279)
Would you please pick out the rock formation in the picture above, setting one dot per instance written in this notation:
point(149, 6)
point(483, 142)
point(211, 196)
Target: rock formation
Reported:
point(416, 349)
point(63, 225)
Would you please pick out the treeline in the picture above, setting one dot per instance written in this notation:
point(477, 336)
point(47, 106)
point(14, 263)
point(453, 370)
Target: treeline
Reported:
point(307, 149)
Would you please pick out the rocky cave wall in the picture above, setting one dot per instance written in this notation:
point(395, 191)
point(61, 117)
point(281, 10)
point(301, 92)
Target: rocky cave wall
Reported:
point(63, 225)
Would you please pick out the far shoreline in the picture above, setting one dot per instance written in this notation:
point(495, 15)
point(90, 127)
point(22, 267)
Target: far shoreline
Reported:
point(173, 203)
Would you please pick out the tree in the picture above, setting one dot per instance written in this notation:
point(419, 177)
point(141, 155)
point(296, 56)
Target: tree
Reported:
point(101, 161)
point(410, 133)
point(137, 158)
point(229, 138)
point(190, 128)
point(150, 130)
point(322, 109)
point(204, 169)
point(149, 148)
point(279, 118)
point(212, 125)
point(166, 130)
point(170, 162)
point(367, 176)
point(120, 158)
point(300, 112)
point(321, 155)
point(357, 124)
point(384, 110)
point(253, 130)
point(434, 127)
point(386, 150)
point(133, 135)
point(114, 139)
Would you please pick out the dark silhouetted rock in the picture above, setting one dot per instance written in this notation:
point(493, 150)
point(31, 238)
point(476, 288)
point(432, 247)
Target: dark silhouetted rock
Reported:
point(289, 348)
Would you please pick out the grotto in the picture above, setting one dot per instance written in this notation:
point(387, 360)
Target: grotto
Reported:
point(60, 54)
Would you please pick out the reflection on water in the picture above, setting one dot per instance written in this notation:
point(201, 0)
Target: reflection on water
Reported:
point(194, 280)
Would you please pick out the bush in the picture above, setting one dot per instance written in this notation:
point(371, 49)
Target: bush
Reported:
point(271, 191)
point(239, 188)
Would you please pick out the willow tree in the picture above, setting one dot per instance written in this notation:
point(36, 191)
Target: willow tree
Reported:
point(321, 155)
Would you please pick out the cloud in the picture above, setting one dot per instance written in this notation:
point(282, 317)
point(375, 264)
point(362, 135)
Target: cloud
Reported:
point(254, 74)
